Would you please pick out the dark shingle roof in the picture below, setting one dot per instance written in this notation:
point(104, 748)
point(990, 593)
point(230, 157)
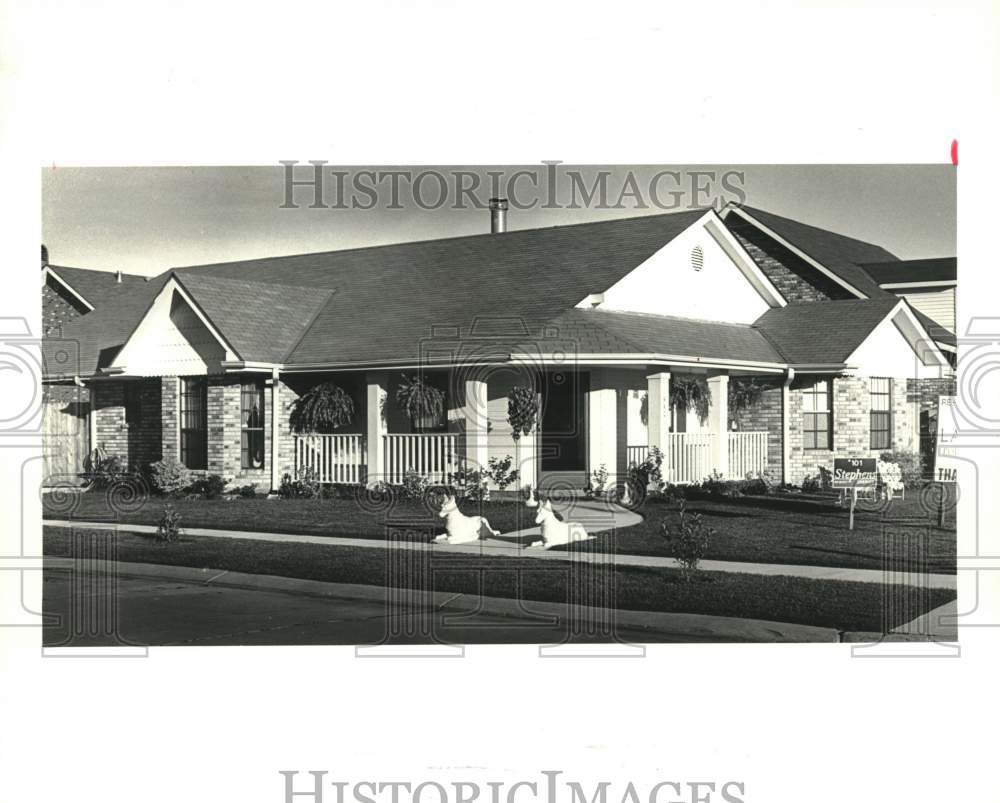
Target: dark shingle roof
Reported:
point(97, 286)
point(389, 298)
point(263, 322)
point(597, 331)
point(840, 254)
point(94, 339)
point(824, 331)
point(943, 269)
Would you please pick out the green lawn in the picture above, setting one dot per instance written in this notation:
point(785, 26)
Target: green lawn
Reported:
point(772, 529)
point(801, 531)
point(841, 605)
point(357, 517)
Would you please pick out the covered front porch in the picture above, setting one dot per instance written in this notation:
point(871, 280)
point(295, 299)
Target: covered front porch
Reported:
point(592, 423)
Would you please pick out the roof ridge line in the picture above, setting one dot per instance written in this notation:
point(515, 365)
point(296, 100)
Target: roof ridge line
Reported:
point(699, 211)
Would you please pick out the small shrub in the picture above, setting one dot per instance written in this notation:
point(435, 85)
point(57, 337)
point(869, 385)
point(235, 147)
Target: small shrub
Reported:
point(104, 470)
point(597, 486)
point(169, 477)
point(812, 484)
point(304, 485)
point(500, 472)
point(470, 484)
point(689, 537)
point(646, 477)
point(911, 464)
point(211, 486)
point(415, 484)
point(245, 492)
point(169, 528)
point(715, 484)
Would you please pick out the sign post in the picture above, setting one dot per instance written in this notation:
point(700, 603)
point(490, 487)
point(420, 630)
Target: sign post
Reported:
point(852, 473)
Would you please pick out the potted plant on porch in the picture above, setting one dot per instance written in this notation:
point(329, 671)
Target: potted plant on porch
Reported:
point(422, 403)
point(323, 408)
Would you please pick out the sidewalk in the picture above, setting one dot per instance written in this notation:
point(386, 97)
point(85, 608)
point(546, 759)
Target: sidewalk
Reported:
point(595, 519)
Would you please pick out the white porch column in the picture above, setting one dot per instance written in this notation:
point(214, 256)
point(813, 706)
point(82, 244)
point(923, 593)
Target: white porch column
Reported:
point(786, 447)
point(602, 432)
point(658, 413)
point(477, 445)
point(718, 422)
point(275, 413)
point(527, 462)
point(375, 427)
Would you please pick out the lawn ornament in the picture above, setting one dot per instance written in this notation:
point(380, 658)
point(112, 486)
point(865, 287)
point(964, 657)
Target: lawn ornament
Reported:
point(461, 529)
point(555, 532)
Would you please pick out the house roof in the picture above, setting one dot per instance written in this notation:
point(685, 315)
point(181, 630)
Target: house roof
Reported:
point(96, 286)
point(93, 340)
point(860, 264)
point(385, 303)
point(597, 331)
point(840, 254)
point(913, 271)
point(823, 332)
point(263, 322)
point(390, 298)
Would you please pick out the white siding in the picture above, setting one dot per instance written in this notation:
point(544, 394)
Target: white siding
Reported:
point(669, 284)
point(171, 340)
point(888, 352)
point(937, 303)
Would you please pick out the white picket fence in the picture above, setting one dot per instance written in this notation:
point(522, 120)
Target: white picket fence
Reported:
point(434, 456)
point(333, 458)
point(747, 453)
point(688, 455)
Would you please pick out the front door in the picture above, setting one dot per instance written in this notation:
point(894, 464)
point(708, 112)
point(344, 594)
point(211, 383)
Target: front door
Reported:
point(564, 443)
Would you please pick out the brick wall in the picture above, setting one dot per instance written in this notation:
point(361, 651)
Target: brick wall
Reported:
point(111, 433)
point(169, 424)
point(796, 280)
point(765, 415)
point(925, 392)
point(851, 425)
point(58, 307)
point(136, 437)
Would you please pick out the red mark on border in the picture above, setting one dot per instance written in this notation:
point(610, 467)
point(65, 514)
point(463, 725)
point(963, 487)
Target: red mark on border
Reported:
point(954, 152)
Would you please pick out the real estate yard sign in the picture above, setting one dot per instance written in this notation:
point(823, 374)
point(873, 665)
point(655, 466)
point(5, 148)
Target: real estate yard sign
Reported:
point(854, 473)
point(945, 464)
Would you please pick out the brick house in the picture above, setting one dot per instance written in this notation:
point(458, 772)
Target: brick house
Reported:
point(606, 322)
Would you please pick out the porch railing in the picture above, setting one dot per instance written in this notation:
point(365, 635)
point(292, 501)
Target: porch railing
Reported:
point(434, 456)
point(333, 458)
point(636, 454)
point(747, 453)
point(688, 455)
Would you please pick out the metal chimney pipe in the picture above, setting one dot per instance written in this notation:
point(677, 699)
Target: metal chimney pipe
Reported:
point(498, 215)
point(118, 276)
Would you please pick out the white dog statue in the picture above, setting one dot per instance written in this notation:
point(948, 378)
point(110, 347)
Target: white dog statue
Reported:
point(555, 532)
point(461, 529)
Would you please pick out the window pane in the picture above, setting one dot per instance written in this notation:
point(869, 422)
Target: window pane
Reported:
point(252, 421)
point(194, 423)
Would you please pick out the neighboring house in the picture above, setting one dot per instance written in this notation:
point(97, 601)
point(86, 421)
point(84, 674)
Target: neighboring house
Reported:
point(928, 284)
point(69, 294)
point(606, 321)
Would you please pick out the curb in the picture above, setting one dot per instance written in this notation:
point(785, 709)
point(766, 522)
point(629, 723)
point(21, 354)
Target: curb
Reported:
point(689, 627)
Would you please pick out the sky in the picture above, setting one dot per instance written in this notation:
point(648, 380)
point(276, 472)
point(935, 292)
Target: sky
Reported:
point(146, 220)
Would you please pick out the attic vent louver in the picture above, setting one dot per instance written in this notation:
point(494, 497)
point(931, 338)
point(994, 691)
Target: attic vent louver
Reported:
point(697, 258)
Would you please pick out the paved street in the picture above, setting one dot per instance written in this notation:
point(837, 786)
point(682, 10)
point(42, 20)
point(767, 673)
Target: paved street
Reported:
point(165, 611)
